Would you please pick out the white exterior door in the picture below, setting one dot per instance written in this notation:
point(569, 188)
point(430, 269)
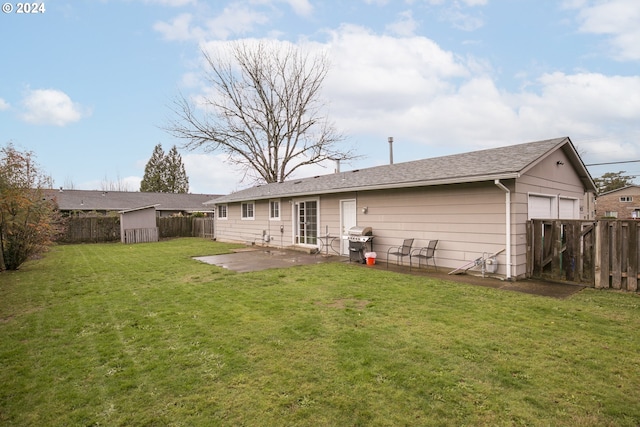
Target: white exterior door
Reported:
point(348, 219)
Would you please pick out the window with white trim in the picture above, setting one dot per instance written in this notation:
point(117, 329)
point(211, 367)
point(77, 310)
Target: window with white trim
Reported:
point(626, 198)
point(274, 209)
point(611, 214)
point(222, 211)
point(248, 210)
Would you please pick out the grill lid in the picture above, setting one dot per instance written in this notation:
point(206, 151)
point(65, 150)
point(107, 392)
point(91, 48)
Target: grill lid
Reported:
point(360, 231)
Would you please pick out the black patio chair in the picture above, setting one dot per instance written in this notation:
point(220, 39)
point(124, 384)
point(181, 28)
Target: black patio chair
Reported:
point(427, 253)
point(401, 251)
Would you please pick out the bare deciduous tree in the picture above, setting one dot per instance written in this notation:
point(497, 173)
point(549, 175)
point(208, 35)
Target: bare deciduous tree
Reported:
point(265, 111)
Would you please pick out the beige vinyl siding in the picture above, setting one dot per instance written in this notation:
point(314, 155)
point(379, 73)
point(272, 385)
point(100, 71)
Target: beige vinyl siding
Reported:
point(236, 229)
point(467, 219)
point(330, 212)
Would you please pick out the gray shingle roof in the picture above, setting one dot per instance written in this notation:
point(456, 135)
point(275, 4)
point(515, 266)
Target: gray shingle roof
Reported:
point(89, 200)
point(619, 189)
point(496, 163)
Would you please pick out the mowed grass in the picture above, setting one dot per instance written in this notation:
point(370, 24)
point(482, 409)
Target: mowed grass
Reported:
point(142, 335)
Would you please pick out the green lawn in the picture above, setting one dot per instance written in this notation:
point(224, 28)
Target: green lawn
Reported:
point(110, 334)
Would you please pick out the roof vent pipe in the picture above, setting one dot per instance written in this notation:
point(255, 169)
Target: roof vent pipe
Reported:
point(337, 165)
point(390, 150)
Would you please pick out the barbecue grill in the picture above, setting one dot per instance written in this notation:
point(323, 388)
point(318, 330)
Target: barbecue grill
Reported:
point(360, 241)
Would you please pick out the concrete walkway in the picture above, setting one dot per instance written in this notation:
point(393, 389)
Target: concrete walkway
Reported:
point(256, 259)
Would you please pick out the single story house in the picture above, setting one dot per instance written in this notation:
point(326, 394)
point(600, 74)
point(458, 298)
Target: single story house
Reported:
point(622, 203)
point(91, 202)
point(473, 203)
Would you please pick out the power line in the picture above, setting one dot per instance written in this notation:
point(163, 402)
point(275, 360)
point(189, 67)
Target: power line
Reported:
point(613, 163)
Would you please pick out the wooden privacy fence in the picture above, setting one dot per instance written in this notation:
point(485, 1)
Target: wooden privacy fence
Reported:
point(600, 254)
point(175, 226)
point(140, 235)
point(91, 229)
point(107, 229)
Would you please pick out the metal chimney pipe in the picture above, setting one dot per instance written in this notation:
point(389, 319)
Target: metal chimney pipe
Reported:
point(337, 165)
point(390, 150)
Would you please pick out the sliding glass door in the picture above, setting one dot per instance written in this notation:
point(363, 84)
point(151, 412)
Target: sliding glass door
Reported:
point(307, 222)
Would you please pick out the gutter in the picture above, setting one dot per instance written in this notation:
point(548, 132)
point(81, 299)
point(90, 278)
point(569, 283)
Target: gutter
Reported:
point(507, 194)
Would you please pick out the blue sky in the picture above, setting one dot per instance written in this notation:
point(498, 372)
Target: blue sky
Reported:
point(87, 84)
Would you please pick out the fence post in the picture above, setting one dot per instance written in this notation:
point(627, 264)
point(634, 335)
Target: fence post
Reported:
point(556, 263)
point(537, 242)
point(616, 255)
point(632, 266)
point(601, 261)
point(569, 258)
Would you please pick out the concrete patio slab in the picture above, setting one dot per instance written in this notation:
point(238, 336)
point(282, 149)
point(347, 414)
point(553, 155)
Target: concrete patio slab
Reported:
point(256, 259)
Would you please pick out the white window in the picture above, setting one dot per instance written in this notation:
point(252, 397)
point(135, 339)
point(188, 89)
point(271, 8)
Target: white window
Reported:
point(248, 210)
point(274, 209)
point(626, 198)
point(222, 211)
point(611, 214)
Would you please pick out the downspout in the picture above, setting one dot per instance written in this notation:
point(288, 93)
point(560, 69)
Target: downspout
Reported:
point(507, 194)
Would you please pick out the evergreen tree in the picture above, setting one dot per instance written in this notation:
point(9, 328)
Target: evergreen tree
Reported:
point(153, 180)
point(175, 176)
point(165, 173)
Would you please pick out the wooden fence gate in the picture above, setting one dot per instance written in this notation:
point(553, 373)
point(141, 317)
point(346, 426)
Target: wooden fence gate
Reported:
point(203, 227)
point(600, 254)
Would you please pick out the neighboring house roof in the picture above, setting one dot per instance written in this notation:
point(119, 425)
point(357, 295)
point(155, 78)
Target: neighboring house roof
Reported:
point(90, 200)
point(141, 208)
point(637, 187)
point(484, 165)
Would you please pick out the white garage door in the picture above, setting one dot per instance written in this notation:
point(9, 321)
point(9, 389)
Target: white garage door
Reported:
point(540, 207)
point(569, 209)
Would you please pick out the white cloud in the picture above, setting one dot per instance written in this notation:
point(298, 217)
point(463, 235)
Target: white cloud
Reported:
point(179, 29)
point(51, 107)
point(4, 105)
point(235, 19)
point(404, 26)
point(462, 20)
point(617, 19)
point(414, 90)
point(210, 174)
point(172, 3)
point(301, 7)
